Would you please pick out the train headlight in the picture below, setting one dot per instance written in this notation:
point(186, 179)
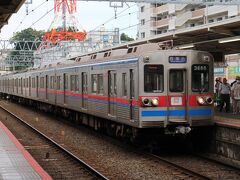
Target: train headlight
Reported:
point(209, 100)
point(200, 100)
point(155, 102)
point(146, 102)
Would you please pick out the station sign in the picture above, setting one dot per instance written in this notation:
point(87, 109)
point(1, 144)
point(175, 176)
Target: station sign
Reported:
point(177, 59)
point(219, 70)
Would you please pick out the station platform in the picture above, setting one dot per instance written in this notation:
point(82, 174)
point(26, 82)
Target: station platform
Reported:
point(15, 162)
point(227, 119)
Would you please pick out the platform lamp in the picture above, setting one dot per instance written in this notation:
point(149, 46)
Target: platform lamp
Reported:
point(229, 39)
point(185, 46)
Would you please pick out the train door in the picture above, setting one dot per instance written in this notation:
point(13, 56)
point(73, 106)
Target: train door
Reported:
point(84, 90)
point(37, 86)
point(46, 86)
point(57, 87)
point(65, 86)
point(177, 96)
point(17, 84)
point(132, 91)
point(112, 92)
point(21, 82)
point(29, 85)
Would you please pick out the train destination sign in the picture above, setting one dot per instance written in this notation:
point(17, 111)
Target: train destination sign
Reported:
point(177, 59)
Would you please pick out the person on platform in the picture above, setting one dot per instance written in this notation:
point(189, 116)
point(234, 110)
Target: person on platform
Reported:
point(217, 94)
point(235, 93)
point(237, 77)
point(216, 85)
point(220, 79)
point(225, 90)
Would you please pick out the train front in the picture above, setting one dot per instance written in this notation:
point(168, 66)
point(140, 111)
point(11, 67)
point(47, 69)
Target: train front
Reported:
point(176, 91)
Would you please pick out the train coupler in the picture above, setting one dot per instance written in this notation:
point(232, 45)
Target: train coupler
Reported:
point(182, 130)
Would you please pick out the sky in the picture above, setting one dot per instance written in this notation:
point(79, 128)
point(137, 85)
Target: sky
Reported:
point(90, 15)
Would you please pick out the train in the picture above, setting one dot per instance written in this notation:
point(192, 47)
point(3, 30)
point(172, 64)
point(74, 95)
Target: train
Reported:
point(123, 90)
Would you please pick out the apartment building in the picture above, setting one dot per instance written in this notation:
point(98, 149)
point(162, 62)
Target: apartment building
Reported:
point(161, 18)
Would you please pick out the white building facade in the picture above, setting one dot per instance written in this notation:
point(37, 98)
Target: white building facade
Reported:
point(161, 18)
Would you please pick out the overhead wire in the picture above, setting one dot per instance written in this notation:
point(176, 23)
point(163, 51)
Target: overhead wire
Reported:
point(107, 21)
point(33, 10)
point(112, 18)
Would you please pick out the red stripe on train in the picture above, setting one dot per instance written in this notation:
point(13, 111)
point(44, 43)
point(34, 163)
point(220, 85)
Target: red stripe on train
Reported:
point(164, 101)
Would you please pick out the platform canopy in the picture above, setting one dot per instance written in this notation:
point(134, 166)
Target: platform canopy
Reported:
point(7, 8)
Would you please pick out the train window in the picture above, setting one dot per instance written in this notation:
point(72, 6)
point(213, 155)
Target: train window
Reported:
point(94, 83)
point(58, 82)
point(153, 78)
point(200, 78)
point(84, 82)
point(16, 82)
point(65, 81)
point(100, 84)
point(33, 83)
point(30, 82)
point(52, 79)
point(124, 84)
point(41, 82)
point(72, 83)
point(176, 80)
point(77, 82)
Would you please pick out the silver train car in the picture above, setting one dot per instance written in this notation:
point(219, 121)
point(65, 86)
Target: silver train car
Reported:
point(124, 90)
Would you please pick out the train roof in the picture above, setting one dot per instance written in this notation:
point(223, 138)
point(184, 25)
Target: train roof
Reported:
point(103, 56)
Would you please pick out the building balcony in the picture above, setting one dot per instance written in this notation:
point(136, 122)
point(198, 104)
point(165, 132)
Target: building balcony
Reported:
point(161, 9)
point(198, 13)
point(160, 23)
point(212, 10)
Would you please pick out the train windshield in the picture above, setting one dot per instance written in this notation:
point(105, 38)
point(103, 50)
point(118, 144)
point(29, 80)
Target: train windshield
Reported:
point(200, 78)
point(176, 80)
point(153, 78)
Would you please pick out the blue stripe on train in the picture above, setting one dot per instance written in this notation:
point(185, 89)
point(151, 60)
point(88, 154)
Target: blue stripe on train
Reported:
point(192, 112)
point(199, 112)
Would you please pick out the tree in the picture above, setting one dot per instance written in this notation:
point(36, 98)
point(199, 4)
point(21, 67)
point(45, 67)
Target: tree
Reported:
point(21, 57)
point(124, 37)
point(28, 35)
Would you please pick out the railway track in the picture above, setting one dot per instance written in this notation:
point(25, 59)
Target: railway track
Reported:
point(183, 172)
point(67, 165)
point(111, 167)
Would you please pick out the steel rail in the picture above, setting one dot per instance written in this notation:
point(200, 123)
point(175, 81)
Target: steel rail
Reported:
point(91, 169)
point(194, 173)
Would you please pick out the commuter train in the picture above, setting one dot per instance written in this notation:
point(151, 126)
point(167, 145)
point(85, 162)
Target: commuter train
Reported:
point(124, 90)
